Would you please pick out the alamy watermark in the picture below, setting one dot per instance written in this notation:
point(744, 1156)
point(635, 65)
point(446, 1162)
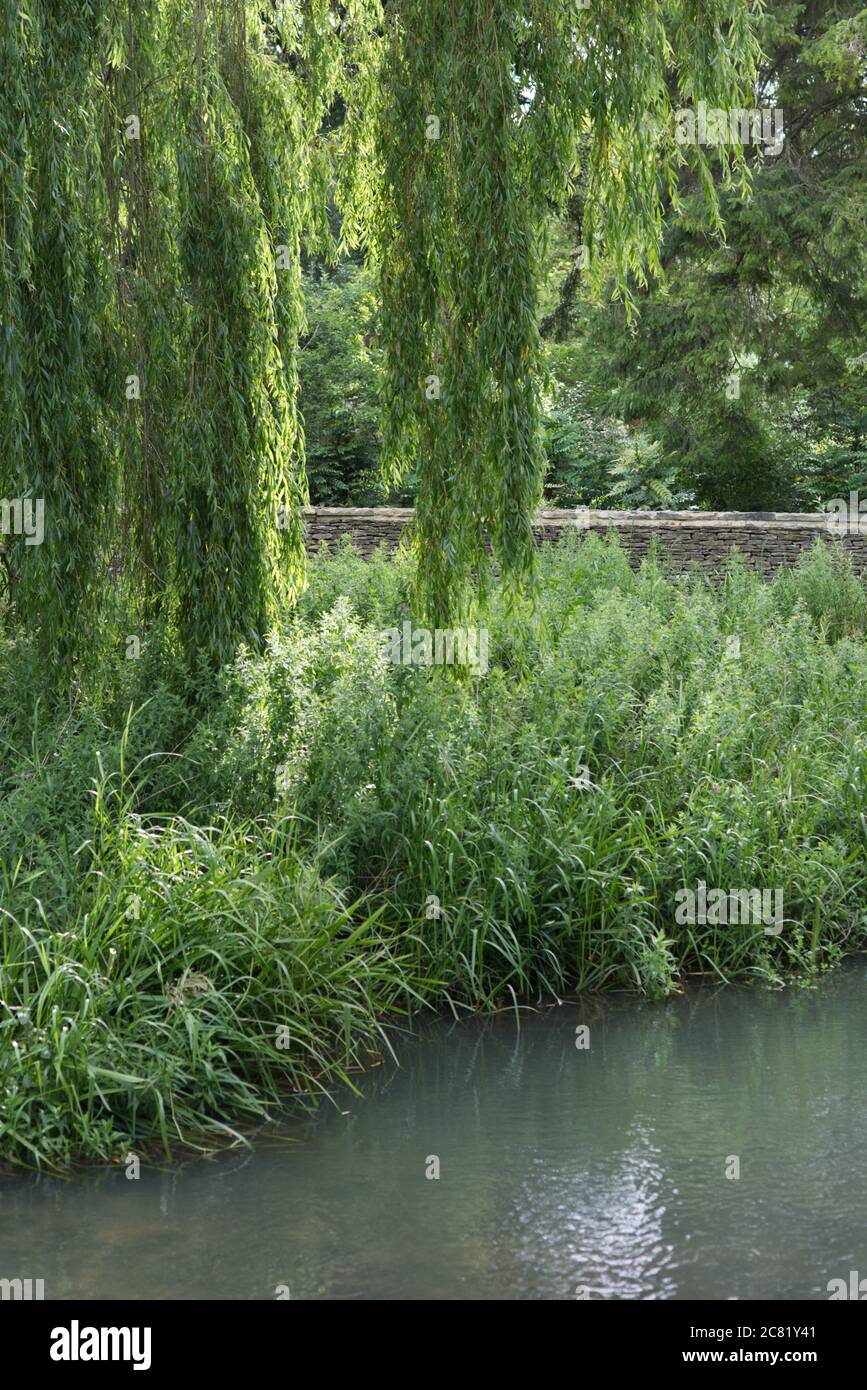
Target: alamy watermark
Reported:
point(23, 1290)
point(23, 516)
point(844, 518)
point(730, 907)
point(730, 126)
point(856, 1289)
point(420, 646)
point(77, 1343)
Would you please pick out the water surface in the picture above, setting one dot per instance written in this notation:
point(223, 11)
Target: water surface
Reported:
point(561, 1169)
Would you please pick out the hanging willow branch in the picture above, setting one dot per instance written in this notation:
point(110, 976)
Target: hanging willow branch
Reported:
point(56, 296)
point(484, 106)
point(159, 169)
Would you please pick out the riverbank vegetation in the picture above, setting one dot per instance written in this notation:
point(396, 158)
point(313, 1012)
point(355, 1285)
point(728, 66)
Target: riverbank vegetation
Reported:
point(215, 891)
point(411, 246)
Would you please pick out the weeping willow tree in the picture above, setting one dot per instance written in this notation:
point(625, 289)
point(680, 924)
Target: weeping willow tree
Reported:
point(161, 167)
point(484, 107)
point(163, 164)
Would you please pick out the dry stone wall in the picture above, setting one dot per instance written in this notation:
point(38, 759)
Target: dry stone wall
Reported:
point(766, 540)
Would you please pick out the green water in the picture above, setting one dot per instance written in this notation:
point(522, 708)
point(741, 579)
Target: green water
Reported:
point(560, 1169)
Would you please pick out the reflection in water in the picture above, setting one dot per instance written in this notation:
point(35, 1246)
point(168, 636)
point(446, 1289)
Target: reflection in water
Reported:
point(601, 1232)
point(561, 1169)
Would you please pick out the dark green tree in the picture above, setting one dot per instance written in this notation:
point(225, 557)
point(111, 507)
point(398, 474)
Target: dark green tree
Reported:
point(743, 361)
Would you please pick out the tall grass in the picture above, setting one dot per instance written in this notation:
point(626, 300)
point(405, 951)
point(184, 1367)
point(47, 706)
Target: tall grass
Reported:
point(228, 894)
point(205, 969)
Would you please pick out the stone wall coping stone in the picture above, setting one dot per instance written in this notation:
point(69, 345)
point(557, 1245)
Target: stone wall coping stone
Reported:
point(688, 520)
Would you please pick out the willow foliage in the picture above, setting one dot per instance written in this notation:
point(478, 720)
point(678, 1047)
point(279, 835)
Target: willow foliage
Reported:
point(163, 164)
point(55, 294)
point(160, 168)
point(483, 109)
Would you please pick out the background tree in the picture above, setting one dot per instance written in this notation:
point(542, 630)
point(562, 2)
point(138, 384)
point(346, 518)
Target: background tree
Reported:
point(340, 375)
point(781, 302)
